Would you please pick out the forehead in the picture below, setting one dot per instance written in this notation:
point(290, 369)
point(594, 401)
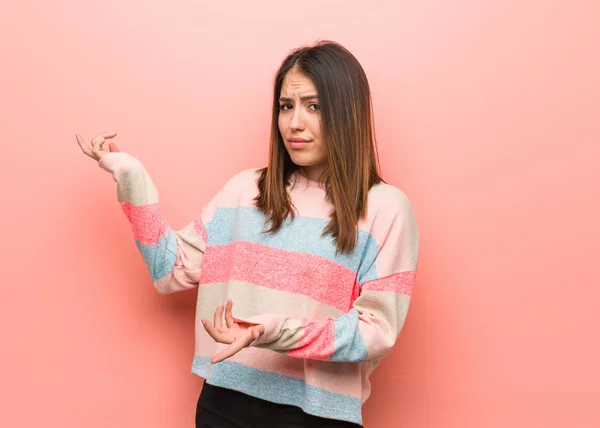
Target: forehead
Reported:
point(296, 82)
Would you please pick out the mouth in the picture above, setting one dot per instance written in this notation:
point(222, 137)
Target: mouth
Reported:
point(298, 143)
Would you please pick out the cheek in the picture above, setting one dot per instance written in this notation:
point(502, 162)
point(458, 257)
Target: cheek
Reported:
point(281, 123)
point(315, 127)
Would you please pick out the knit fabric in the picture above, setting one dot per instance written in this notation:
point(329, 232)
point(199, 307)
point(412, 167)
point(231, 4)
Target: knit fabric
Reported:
point(329, 317)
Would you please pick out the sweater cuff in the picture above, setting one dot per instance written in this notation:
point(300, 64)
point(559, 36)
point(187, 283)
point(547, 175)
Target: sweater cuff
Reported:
point(117, 162)
point(271, 325)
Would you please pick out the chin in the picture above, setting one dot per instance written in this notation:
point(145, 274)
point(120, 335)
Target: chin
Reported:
point(304, 159)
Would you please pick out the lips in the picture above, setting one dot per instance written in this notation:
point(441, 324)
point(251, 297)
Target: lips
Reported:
point(298, 143)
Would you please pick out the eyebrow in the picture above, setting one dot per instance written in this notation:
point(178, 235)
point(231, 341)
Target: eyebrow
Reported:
point(303, 98)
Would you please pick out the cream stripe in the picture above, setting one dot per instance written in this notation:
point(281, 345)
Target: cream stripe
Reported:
point(250, 300)
point(136, 187)
point(385, 305)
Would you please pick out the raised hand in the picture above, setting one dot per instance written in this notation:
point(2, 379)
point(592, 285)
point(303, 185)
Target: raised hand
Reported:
point(238, 334)
point(99, 146)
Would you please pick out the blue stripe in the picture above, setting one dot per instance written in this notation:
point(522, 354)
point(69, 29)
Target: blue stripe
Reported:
point(348, 345)
point(279, 389)
point(303, 234)
point(160, 258)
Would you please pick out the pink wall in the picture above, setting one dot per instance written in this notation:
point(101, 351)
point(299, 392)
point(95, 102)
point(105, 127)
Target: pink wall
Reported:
point(487, 116)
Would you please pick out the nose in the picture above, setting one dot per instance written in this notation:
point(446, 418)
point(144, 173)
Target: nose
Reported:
point(297, 122)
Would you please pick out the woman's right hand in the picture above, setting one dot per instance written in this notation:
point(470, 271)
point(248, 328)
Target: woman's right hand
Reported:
point(98, 146)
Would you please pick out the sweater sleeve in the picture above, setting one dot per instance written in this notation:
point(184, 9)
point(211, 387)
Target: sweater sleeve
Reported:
point(369, 330)
point(173, 257)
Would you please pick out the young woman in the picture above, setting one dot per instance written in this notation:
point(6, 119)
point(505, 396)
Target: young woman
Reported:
point(304, 269)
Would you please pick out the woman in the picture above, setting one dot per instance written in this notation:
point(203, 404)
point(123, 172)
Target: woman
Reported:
point(314, 254)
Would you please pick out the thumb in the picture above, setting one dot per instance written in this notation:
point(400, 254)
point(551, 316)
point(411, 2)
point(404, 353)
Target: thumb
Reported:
point(112, 147)
point(257, 331)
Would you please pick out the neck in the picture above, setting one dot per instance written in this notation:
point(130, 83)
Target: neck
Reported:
point(313, 173)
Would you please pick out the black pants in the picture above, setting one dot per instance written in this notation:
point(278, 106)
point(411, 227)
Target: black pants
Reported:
point(225, 408)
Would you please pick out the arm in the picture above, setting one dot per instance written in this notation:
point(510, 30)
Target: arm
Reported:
point(173, 258)
point(371, 327)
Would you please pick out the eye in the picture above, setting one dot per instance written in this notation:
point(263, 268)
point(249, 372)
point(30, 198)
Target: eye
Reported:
point(285, 107)
point(314, 107)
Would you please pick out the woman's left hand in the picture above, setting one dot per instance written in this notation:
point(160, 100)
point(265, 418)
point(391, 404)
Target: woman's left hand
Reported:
point(235, 333)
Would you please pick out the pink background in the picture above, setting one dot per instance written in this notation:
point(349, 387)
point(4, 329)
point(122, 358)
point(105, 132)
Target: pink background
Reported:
point(487, 116)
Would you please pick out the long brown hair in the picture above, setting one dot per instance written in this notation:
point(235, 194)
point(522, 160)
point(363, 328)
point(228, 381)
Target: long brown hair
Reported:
point(347, 128)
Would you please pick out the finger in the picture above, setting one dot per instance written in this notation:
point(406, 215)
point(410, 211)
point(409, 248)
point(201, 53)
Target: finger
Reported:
point(217, 335)
point(99, 140)
point(112, 147)
point(218, 320)
point(98, 147)
point(231, 350)
point(85, 148)
point(257, 331)
point(96, 144)
point(80, 140)
point(106, 135)
point(228, 315)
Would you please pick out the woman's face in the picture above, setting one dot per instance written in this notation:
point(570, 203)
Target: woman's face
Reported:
point(299, 124)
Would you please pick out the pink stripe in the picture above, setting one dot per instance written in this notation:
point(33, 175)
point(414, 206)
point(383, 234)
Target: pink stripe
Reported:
point(146, 221)
point(200, 230)
point(355, 293)
point(401, 283)
point(317, 341)
point(300, 273)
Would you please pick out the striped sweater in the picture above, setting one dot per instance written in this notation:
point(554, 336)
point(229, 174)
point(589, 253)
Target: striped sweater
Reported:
point(329, 318)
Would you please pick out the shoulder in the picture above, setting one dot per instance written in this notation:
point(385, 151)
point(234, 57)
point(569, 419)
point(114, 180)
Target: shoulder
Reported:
point(241, 187)
point(387, 199)
point(242, 179)
point(392, 223)
point(389, 211)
